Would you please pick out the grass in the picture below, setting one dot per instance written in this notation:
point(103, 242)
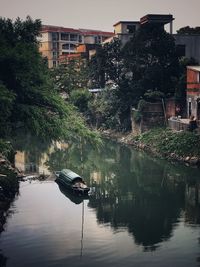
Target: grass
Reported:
point(166, 142)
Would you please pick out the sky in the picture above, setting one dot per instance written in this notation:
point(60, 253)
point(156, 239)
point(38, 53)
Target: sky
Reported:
point(102, 14)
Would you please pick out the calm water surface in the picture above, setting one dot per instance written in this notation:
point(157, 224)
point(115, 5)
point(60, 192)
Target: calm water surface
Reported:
point(142, 211)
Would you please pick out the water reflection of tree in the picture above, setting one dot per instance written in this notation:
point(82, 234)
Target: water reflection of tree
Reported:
point(135, 191)
point(146, 196)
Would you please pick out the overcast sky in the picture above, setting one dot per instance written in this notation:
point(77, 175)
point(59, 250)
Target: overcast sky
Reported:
point(102, 14)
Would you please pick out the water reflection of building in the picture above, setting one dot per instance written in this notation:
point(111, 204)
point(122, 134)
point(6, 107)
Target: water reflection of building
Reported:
point(35, 162)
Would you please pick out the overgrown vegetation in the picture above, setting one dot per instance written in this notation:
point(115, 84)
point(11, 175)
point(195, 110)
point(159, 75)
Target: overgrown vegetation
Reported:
point(27, 92)
point(167, 142)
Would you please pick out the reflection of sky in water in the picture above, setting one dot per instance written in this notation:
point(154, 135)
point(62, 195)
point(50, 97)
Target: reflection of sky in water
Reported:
point(145, 211)
point(45, 230)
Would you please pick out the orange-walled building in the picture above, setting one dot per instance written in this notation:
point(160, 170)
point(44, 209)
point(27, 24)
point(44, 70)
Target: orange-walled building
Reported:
point(58, 42)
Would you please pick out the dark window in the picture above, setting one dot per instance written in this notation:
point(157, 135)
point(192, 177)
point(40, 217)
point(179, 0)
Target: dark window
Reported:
point(80, 39)
point(55, 45)
point(65, 36)
point(190, 109)
point(72, 47)
point(55, 36)
point(131, 28)
point(97, 39)
point(65, 46)
point(73, 37)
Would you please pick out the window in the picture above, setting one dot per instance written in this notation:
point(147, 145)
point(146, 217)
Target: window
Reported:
point(198, 77)
point(55, 36)
point(55, 46)
point(55, 55)
point(131, 28)
point(189, 108)
point(54, 63)
point(80, 39)
point(73, 37)
point(65, 46)
point(72, 47)
point(97, 39)
point(65, 36)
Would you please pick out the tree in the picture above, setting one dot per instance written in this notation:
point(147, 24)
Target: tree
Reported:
point(189, 30)
point(26, 88)
point(97, 68)
point(150, 58)
point(71, 75)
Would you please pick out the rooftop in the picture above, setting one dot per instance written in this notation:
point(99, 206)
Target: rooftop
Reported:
point(126, 22)
point(50, 28)
point(196, 68)
point(156, 18)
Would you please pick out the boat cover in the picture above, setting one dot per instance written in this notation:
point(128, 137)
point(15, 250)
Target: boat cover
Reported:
point(70, 175)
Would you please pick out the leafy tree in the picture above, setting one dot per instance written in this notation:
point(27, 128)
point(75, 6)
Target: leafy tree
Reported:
point(104, 110)
point(71, 75)
point(150, 58)
point(97, 68)
point(26, 89)
point(189, 30)
point(80, 98)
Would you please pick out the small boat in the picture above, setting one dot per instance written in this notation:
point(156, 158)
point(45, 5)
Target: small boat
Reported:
point(72, 181)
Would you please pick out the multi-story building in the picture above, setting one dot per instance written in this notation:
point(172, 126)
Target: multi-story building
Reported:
point(56, 42)
point(188, 45)
point(124, 30)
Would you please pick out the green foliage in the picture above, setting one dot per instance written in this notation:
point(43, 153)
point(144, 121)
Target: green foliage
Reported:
point(28, 97)
point(141, 105)
point(151, 59)
point(70, 76)
point(5, 148)
point(189, 30)
point(80, 99)
point(104, 110)
point(166, 142)
point(137, 115)
point(153, 96)
point(97, 67)
point(6, 100)
point(106, 65)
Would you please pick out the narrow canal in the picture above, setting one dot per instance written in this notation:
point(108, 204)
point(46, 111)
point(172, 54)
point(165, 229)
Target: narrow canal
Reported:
point(142, 211)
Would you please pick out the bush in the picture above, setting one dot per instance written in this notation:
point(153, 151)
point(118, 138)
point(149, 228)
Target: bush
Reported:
point(165, 141)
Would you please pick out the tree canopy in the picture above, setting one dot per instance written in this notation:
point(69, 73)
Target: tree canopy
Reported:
point(189, 30)
point(150, 58)
point(146, 67)
point(27, 94)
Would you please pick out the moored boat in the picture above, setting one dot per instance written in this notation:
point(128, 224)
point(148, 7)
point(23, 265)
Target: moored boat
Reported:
point(72, 181)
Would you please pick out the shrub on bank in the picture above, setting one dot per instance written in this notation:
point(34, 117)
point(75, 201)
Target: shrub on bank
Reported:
point(167, 142)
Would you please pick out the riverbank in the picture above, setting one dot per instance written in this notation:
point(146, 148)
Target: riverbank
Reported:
point(9, 181)
point(164, 143)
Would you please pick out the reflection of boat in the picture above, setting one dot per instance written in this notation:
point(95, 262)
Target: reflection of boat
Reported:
point(68, 193)
point(72, 181)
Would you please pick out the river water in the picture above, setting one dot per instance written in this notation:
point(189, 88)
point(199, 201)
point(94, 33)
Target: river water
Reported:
point(142, 211)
